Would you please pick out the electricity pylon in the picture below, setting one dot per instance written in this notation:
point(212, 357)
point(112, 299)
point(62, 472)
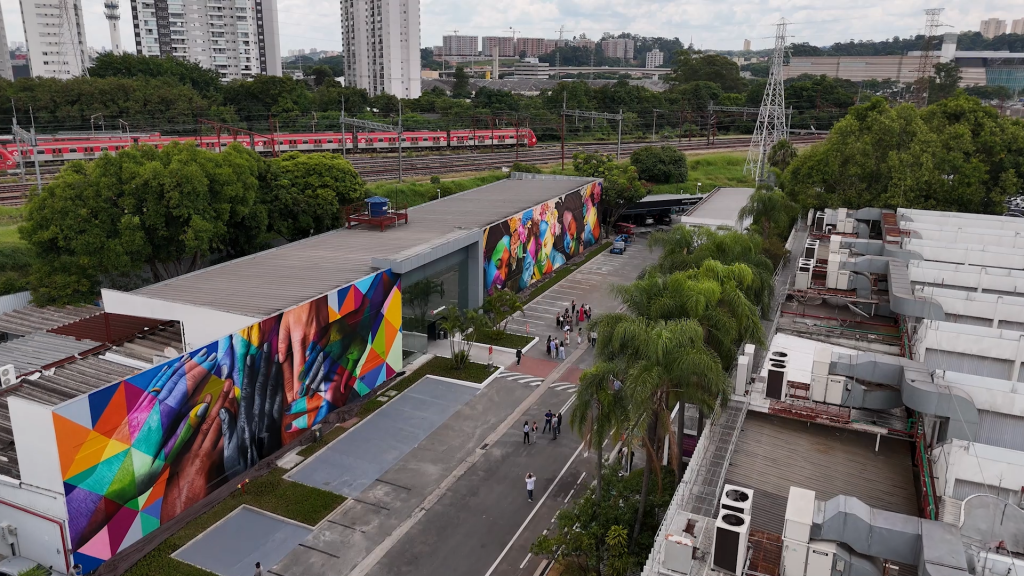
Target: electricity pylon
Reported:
point(771, 120)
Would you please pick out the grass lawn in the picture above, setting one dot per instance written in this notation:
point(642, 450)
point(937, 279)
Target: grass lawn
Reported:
point(504, 339)
point(270, 492)
point(562, 272)
point(724, 169)
point(415, 193)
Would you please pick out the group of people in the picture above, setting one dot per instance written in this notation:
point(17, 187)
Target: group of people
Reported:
point(556, 346)
point(552, 422)
point(565, 320)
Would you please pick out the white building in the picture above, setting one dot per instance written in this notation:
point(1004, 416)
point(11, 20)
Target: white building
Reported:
point(5, 55)
point(49, 56)
point(620, 48)
point(531, 68)
point(382, 45)
point(457, 45)
point(993, 27)
point(111, 9)
point(237, 38)
point(655, 58)
point(1018, 26)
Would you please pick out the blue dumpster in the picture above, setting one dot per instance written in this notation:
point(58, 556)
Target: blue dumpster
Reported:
point(378, 206)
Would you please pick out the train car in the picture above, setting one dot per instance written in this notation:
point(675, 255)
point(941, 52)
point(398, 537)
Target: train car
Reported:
point(86, 148)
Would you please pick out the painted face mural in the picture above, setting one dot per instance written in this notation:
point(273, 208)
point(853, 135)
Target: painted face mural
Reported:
point(541, 239)
point(136, 453)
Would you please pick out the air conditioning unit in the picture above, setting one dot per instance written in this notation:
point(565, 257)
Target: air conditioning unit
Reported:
point(831, 278)
point(818, 386)
point(730, 550)
point(843, 280)
point(8, 534)
point(851, 226)
point(835, 243)
point(748, 352)
point(775, 387)
point(833, 262)
point(7, 376)
point(742, 370)
point(737, 499)
point(799, 515)
point(810, 217)
point(819, 222)
point(802, 281)
point(834, 390)
point(811, 249)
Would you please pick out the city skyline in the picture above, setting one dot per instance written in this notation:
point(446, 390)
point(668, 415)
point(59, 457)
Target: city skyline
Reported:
point(306, 23)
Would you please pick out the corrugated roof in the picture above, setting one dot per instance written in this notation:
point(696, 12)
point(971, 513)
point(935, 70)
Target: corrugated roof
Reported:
point(721, 206)
point(269, 282)
point(40, 349)
point(31, 319)
point(108, 328)
point(66, 382)
point(963, 489)
point(1002, 430)
point(963, 363)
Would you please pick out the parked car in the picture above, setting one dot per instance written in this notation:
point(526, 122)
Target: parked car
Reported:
point(19, 564)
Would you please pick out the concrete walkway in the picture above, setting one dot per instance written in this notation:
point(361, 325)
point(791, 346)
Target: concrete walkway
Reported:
point(500, 357)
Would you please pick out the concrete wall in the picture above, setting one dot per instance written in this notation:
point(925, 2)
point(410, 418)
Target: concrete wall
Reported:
point(36, 443)
point(959, 220)
point(198, 325)
point(40, 538)
point(958, 459)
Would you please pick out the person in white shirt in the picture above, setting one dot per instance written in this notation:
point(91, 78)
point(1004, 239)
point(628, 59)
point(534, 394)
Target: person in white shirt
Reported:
point(259, 570)
point(526, 432)
point(530, 480)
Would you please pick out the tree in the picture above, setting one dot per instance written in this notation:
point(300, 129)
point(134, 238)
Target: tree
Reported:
point(321, 75)
point(769, 210)
point(781, 154)
point(126, 65)
point(308, 191)
point(418, 296)
point(166, 210)
point(461, 87)
point(659, 164)
point(945, 83)
point(502, 306)
point(600, 410)
point(622, 186)
point(695, 65)
point(697, 96)
point(463, 327)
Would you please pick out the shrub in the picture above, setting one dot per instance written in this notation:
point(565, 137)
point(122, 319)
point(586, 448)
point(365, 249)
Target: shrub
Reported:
point(435, 179)
point(660, 164)
point(528, 168)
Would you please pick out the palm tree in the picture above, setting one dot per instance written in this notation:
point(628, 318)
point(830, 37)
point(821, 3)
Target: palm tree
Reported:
point(501, 306)
point(781, 155)
point(659, 362)
point(466, 325)
point(769, 209)
point(599, 411)
point(685, 248)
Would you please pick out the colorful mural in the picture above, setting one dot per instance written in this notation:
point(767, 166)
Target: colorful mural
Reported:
point(136, 453)
point(522, 249)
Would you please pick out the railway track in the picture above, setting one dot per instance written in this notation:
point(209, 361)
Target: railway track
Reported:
point(378, 168)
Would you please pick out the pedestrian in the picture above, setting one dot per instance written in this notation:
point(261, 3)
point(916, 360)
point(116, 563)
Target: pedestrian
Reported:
point(554, 348)
point(259, 570)
point(530, 481)
point(568, 328)
point(558, 422)
point(588, 312)
point(533, 429)
point(573, 306)
point(579, 317)
point(558, 319)
point(579, 337)
point(519, 356)
point(631, 455)
point(547, 420)
point(593, 338)
point(526, 432)
point(561, 351)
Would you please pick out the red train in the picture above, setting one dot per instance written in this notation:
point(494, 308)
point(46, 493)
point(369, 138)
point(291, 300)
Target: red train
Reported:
point(85, 147)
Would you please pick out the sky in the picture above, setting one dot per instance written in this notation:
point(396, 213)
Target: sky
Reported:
point(712, 24)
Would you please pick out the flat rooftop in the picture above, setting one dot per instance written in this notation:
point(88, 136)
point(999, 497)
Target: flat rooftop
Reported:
point(274, 280)
point(719, 208)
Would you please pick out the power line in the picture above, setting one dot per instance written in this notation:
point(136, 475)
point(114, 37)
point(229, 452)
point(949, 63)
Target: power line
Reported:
point(771, 122)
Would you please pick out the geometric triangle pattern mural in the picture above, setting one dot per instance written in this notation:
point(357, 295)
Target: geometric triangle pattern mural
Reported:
point(138, 452)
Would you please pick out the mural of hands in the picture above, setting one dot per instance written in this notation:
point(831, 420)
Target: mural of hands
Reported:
point(300, 326)
point(253, 429)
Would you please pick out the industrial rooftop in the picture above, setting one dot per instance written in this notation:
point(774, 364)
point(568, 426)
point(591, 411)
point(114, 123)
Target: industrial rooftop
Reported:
point(720, 207)
point(269, 282)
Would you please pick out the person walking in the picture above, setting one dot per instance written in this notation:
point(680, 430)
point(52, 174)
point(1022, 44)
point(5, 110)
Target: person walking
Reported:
point(259, 570)
point(593, 338)
point(519, 356)
point(573, 306)
point(533, 429)
point(526, 432)
point(558, 423)
point(561, 351)
point(547, 420)
point(530, 482)
point(579, 337)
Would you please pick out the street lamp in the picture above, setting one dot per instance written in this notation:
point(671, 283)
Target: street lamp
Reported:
point(438, 193)
point(698, 188)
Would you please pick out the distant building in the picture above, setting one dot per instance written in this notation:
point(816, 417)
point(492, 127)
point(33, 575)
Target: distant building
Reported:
point(993, 27)
point(455, 45)
point(655, 58)
point(531, 69)
point(503, 45)
point(54, 52)
point(237, 40)
point(532, 46)
point(585, 43)
point(746, 45)
point(620, 48)
point(5, 55)
point(1018, 26)
point(382, 46)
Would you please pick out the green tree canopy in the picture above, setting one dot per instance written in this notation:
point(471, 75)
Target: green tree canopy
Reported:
point(308, 191)
point(461, 87)
point(695, 66)
point(659, 164)
point(125, 65)
point(622, 186)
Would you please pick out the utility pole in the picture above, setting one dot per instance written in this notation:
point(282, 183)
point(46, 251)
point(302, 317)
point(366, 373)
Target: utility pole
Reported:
point(771, 120)
point(565, 96)
point(654, 127)
point(35, 157)
point(92, 123)
point(586, 114)
point(925, 66)
point(380, 128)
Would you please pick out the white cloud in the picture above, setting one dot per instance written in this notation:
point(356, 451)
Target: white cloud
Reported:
point(711, 23)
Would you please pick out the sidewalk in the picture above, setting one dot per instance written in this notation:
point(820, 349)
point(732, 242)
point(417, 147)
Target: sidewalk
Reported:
point(478, 354)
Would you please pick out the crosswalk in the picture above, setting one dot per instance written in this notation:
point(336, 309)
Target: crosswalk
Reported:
point(536, 381)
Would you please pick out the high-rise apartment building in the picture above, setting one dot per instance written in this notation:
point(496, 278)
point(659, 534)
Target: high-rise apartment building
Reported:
point(56, 42)
point(532, 46)
point(505, 46)
point(585, 43)
point(382, 46)
point(746, 45)
point(655, 58)
point(993, 27)
point(455, 45)
point(237, 38)
point(620, 48)
point(1017, 27)
point(5, 55)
